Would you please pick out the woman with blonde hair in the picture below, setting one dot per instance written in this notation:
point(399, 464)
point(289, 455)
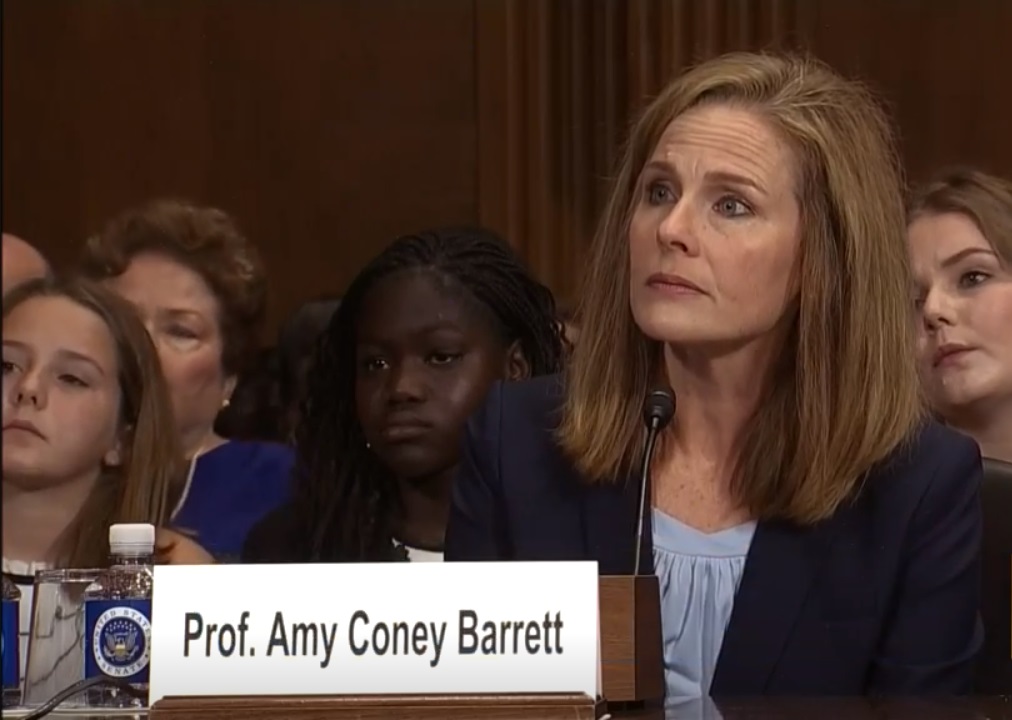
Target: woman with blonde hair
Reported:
point(961, 246)
point(812, 532)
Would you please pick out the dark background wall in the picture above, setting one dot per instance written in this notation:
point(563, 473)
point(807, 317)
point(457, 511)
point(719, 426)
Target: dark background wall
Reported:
point(329, 127)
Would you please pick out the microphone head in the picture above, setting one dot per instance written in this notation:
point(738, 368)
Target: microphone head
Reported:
point(659, 408)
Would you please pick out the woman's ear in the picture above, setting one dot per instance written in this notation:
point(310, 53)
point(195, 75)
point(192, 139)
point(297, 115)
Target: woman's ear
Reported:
point(517, 366)
point(227, 389)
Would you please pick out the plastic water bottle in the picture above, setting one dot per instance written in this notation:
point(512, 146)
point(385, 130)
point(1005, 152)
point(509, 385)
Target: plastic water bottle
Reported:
point(117, 617)
point(9, 649)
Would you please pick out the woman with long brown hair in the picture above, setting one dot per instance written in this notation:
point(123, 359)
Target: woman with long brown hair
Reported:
point(812, 532)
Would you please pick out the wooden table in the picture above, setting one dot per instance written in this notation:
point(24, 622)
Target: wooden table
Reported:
point(970, 708)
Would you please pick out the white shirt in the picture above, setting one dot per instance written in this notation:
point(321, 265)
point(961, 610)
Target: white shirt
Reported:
point(421, 555)
point(417, 554)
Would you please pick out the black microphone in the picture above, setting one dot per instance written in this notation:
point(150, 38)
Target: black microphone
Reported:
point(658, 409)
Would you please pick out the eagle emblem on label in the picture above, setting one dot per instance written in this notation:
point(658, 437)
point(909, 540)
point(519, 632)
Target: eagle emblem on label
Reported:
point(120, 642)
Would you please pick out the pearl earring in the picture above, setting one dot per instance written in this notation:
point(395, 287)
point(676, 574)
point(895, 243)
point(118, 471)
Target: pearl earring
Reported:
point(226, 402)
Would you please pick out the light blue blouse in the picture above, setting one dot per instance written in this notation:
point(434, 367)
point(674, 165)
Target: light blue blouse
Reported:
point(699, 574)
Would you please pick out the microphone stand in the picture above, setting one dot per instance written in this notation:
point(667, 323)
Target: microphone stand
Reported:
point(630, 605)
point(652, 432)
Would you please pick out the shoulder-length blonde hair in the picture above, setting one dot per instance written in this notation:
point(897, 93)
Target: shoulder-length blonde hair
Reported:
point(845, 391)
point(984, 199)
point(149, 476)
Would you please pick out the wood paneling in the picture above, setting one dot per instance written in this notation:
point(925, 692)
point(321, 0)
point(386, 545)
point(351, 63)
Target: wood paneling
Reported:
point(330, 127)
point(942, 66)
point(565, 78)
point(326, 128)
point(547, 86)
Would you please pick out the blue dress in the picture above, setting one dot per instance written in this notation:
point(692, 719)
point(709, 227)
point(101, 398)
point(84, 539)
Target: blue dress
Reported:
point(231, 488)
point(699, 574)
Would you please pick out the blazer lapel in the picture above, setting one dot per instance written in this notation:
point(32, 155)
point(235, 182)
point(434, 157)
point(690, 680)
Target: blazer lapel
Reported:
point(609, 517)
point(779, 571)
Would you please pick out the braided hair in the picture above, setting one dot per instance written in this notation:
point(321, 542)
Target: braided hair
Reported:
point(345, 497)
point(296, 341)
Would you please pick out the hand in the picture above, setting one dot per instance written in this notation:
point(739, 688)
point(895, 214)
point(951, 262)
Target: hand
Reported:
point(175, 548)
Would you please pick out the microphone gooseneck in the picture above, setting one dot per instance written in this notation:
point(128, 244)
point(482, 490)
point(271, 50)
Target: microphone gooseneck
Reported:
point(658, 409)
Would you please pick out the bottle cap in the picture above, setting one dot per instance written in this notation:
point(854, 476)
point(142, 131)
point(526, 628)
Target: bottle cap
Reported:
point(132, 539)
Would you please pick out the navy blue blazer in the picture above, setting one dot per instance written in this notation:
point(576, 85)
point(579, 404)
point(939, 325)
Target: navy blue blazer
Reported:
point(881, 598)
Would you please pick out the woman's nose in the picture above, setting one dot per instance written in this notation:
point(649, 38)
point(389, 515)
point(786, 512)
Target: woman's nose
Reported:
point(937, 310)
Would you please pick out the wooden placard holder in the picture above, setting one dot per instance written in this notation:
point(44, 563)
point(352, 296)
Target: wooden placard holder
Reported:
point(632, 669)
point(631, 674)
point(380, 707)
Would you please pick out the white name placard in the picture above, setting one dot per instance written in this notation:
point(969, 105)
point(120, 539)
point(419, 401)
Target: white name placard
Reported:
point(363, 629)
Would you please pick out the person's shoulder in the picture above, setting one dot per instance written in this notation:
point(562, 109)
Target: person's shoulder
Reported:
point(522, 435)
point(516, 494)
point(251, 474)
point(931, 448)
point(935, 460)
point(265, 458)
point(518, 415)
point(535, 401)
point(544, 390)
point(263, 451)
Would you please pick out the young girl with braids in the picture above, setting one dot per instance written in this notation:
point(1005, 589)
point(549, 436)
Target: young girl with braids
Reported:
point(420, 336)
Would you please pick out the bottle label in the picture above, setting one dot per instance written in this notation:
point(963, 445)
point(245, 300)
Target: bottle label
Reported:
point(118, 639)
point(9, 644)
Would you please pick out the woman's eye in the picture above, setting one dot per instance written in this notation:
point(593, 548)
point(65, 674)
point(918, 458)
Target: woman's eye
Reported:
point(374, 364)
point(972, 278)
point(730, 206)
point(73, 380)
point(182, 332)
point(440, 358)
point(659, 193)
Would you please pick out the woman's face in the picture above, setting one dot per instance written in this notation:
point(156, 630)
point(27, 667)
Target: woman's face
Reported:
point(964, 299)
point(715, 232)
point(61, 394)
point(182, 316)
